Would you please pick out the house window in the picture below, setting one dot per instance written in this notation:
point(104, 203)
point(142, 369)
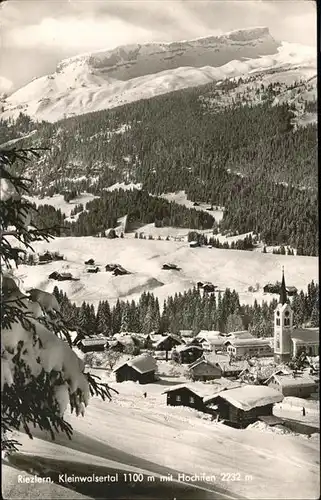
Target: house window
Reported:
point(178, 399)
point(278, 322)
point(191, 400)
point(278, 344)
point(286, 321)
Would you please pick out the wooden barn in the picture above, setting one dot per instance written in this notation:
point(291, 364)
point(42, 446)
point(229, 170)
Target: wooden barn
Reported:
point(186, 354)
point(203, 370)
point(190, 395)
point(244, 405)
point(167, 343)
point(301, 386)
point(92, 344)
point(141, 369)
point(116, 345)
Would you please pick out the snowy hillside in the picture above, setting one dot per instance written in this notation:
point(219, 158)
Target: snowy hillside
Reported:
point(144, 435)
point(234, 269)
point(107, 79)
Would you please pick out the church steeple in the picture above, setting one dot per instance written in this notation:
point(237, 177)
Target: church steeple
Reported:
point(283, 294)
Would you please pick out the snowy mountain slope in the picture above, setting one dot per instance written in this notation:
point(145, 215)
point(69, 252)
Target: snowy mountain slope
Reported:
point(107, 79)
point(144, 259)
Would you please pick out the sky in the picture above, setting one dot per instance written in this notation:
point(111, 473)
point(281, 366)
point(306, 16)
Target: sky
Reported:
point(36, 34)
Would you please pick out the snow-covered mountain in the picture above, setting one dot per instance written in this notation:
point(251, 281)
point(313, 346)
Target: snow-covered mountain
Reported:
point(105, 79)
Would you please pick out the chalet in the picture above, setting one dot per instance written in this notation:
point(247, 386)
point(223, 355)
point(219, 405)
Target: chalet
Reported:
point(276, 288)
point(45, 257)
point(243, 405)
point(301, 386)
point(231, 368)
point(203, 370)
point(211, 340)
point(141, 369)
point(171, 267)
point(130, 342)
point(61, 276)
point(209, 288)
point(167, 343)
point(190, 395)
point(253, 347)
point(186, 354)
point(90, 262)
point(120, 271)
point(92, 344)
point(111, 267)
point(194, 244)
point(259, 374)
point(93, 269)
point(116, 345)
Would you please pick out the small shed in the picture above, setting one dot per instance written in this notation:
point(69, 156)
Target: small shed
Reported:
point(141, 369)
point(244, 405)
point(120, 271)
point(93, 269)
point(301, 386)
point(171, 267)
point(194, 244)
point(190, 395)
point(186, 354)
point(90, 262)
point(92, 345)
point(203, 370)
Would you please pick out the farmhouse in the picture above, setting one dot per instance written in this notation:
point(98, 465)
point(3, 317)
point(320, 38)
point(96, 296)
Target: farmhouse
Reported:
point(257, 347)
point(186, 354)
point(190, 395)
point(92, 344)
point(140, 369)
point(292, 385)
point(242, 406)
point(116, 345)
point(203, 370)
point(61, 276)
point(120, 271)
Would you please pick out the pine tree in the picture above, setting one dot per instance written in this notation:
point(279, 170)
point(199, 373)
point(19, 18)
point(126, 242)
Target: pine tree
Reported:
point(41, 374)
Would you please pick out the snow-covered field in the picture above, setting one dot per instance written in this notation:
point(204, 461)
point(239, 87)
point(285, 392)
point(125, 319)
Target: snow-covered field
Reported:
point(146, 434)
point(57, 201)
point(234, 269)
point(181, 199)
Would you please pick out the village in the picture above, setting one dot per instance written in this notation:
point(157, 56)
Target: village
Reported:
point(233, 378)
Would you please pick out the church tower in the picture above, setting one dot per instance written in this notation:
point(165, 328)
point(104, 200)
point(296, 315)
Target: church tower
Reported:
point(283, 327)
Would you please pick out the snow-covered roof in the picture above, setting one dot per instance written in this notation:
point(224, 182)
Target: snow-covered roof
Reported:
point(241, 334)
point(306, 335)
point(251, 396)
point(233, 366)
point(183, 347)
point(186, 333)
point(292, 381)
point(198, 388)
point(89, 342)
point(249, 341)
point(199, 361)
point(170, 336)
point(208, 334)
point(142, 364)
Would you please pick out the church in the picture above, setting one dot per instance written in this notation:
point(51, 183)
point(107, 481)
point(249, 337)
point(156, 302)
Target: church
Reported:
point(289, 341)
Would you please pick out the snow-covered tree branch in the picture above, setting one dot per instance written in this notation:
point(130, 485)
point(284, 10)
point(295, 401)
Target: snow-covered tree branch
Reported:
point(40, 373)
